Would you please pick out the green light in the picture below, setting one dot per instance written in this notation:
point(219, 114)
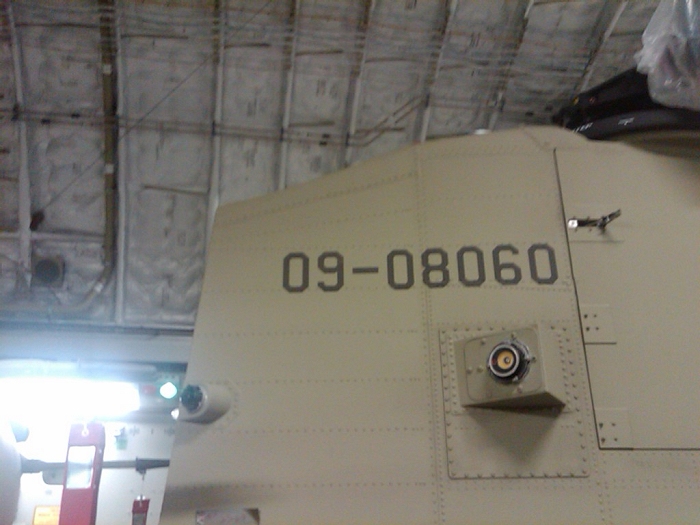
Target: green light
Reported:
point(168, 390)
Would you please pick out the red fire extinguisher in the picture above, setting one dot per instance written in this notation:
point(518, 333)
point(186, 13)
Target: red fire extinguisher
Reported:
point(139, 511)
point(86, 446)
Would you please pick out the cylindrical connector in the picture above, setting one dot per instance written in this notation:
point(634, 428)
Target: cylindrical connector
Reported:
point(509, 361)
point(204, 403)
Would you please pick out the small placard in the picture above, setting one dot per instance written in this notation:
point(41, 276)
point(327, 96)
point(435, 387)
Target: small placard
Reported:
point(46, 515)
point(228, 517)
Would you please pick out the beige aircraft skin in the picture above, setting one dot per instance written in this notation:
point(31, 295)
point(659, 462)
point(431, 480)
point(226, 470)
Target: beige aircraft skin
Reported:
point(428, 337)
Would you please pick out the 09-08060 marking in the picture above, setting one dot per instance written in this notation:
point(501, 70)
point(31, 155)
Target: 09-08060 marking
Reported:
point(436, 268)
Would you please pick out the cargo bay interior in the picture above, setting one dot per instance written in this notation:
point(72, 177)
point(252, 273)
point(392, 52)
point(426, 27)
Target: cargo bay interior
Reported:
point(124, 124)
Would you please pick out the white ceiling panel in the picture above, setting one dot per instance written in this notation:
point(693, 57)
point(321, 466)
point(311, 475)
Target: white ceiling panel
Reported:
point(249, 168)
point(66, 172)
point(165, 255)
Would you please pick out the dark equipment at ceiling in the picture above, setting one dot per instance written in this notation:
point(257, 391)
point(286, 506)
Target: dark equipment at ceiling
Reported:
point(623, 105)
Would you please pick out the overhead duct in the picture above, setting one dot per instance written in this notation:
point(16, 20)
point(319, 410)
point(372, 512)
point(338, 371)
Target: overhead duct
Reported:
point(48, 271)
point(111, 139)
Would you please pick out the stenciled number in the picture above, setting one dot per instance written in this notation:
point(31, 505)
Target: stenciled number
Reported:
point(511, 267)
point(287, 270)
point(391, 269)
point(471, 268)
point(480, 268)
point(334, 268)
point(534, 270)
point(435, 275)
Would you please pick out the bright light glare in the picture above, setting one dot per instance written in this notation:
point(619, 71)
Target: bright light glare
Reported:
point(168, 390)
point(50, 399)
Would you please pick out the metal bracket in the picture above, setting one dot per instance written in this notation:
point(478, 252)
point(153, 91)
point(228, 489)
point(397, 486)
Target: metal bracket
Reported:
point(599, 223)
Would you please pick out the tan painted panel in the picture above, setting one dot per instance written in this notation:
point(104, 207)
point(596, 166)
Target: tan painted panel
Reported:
point(669, 496)
point(523, 502)
point(645, 272)
point(314, 455)
point(291, 503)
point(273, 311)
point(497, 305)
point(251, 357)
point(549, 442)
point(344, 403)
point(380, 212)
point(335, 405)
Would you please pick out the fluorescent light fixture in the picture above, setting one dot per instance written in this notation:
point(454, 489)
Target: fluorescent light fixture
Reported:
point(63, 399)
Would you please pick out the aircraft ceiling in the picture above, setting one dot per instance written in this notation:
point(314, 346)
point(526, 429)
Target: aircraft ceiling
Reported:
point(124, 123)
